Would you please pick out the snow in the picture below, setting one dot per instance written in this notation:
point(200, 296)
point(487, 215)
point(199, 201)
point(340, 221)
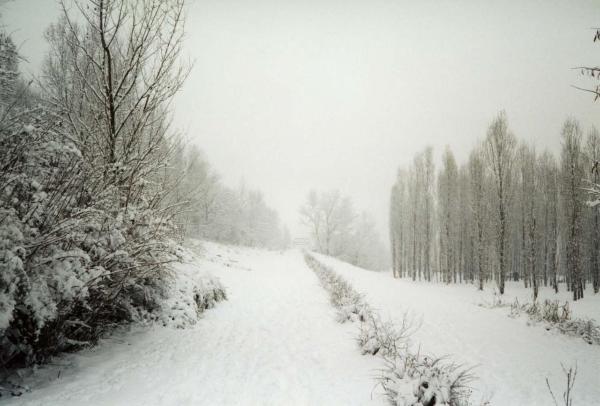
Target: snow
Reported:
point(588, 308)
point(408, 378)
point(275, 341)
point(511, 358)
point(191, 292)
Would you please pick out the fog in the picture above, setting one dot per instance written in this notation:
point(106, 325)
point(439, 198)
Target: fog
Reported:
point(293, 95)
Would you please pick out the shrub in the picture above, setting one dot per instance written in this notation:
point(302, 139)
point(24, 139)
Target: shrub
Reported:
point(558, 317)
point(416, 380)
point(73, 263)
point(408, 379)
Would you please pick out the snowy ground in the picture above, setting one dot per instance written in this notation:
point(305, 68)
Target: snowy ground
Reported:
point(512, 359)
point(274, 342)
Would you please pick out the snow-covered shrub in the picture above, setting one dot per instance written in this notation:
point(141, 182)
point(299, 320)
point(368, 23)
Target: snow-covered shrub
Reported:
point(86, 232)
point(550, 311)
point(189, 294)
point(558, 317)
point(408, 379)
point(349, 303)
point(73, 264)
point(386, 338)
point(415, 380)
point(588, 330)
point(88, 185)
point(209, 294)
point(43, 267)
point(496, 302)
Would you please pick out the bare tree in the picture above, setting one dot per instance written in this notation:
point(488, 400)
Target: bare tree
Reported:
point(592, 72)
point(338, 217)
point(465, 235)
point(398, 223)
point(395, 228)
point(593, 152)
point(448, 215)
point(310, 215)
point(478, 208)
point(365, 249)
point(112, 80)
point(520, 256)
point(337, 231)
point(531, 203)
point(549, 178)
point(572, 194)
point(499, 148)
point(330, 218)
point(428, 184)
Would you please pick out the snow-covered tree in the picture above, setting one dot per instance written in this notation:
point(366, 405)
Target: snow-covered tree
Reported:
point(85, 231)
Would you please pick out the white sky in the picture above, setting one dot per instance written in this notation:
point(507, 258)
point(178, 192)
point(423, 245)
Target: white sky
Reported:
point(292, 95)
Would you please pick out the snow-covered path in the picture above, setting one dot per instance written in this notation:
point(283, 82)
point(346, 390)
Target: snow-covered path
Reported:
point(274, 342)
point(512, 359)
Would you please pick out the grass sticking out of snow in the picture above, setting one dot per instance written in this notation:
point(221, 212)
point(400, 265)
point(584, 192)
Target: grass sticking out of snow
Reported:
point(553, 315)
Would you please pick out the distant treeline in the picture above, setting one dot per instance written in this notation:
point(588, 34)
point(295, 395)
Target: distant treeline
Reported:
point(219, 213)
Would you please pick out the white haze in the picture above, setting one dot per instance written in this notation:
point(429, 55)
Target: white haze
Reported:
point(294, 95)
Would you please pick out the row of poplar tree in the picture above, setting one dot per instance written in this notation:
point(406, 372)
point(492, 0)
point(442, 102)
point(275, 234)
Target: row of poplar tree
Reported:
point(509, 213)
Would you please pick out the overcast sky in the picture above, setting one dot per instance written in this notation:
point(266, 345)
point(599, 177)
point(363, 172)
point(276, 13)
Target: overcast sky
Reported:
point(293, 95)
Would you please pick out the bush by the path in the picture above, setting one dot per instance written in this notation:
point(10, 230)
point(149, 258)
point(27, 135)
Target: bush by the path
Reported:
point(189, 295)
point(559, 318)
point(553, 315)
point(408, 379)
